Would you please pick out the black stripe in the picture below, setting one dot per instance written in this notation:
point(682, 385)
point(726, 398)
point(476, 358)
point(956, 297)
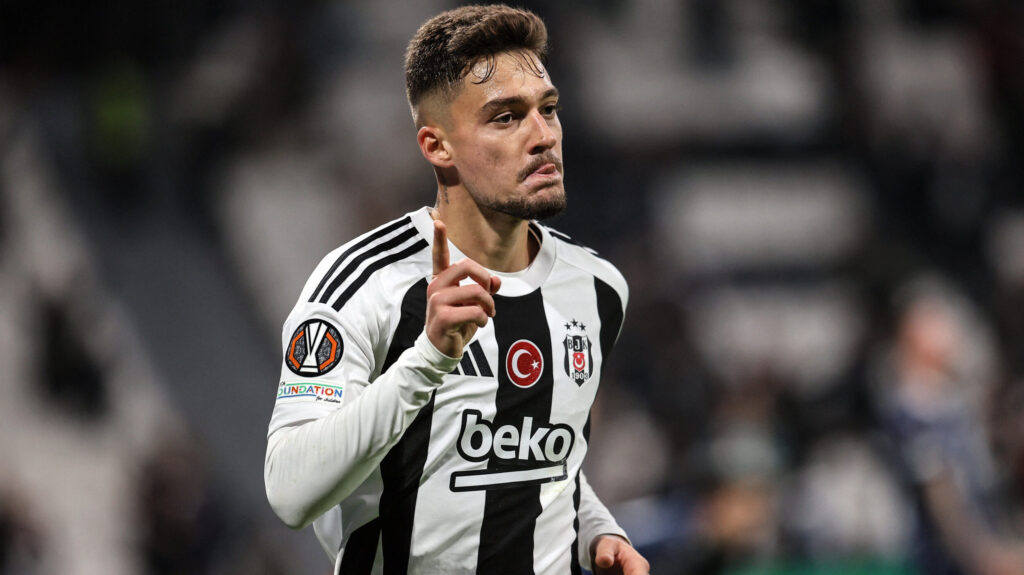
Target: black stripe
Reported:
point(563, 237)
point(410, 323)
point(575, 549)
point(358, 261)
point(358, 283)
point(510, 513)
point(536, 229)
point(609, 309)
point(559, 235)
point(481, 359)
point(568, 240)
point(361, 550)
point(373, 236)
point(466, 364)
point(402, 468)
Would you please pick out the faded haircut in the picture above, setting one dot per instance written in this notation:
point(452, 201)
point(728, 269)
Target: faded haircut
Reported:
point(448, 45)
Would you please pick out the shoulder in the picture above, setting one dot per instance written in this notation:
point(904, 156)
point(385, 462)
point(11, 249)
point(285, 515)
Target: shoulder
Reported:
point(357, 287)
point(576, 254)
point(395, 250)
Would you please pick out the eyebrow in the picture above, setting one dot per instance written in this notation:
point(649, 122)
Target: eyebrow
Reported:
point(498, 103)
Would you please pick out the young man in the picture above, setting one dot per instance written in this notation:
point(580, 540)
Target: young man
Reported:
point(433, 417)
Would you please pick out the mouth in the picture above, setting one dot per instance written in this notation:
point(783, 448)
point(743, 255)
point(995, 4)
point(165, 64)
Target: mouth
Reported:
point(545, 170)
point(545, 174)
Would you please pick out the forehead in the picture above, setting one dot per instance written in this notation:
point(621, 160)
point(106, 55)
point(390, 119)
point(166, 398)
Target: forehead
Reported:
point(512, 74)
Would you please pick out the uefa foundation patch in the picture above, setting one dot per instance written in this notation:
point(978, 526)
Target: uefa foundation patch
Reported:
point(314, 349)
point(317, 391)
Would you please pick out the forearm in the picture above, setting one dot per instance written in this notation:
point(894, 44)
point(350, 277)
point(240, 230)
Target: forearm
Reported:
point(595, 520)
point(311, 467)
point(966, 538)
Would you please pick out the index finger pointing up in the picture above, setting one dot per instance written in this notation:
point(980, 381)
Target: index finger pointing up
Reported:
point(440, 247)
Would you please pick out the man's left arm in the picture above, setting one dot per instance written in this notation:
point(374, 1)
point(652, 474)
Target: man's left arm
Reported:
point(604, 547)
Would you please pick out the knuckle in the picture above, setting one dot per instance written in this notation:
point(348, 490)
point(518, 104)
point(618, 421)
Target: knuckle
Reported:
point(471, 266)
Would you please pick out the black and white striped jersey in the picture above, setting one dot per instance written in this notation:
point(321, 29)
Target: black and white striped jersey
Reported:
point(412, 462)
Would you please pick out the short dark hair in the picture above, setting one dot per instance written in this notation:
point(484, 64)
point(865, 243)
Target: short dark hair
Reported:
point(445, 47)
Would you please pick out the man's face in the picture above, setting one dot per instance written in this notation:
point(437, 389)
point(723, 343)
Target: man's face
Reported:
point(506, 139)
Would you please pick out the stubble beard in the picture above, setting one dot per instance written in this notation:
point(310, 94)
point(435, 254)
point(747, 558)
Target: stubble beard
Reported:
point(540, 206)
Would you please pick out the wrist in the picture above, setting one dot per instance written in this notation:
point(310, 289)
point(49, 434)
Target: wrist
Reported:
point(597, 539)
point(434, 357)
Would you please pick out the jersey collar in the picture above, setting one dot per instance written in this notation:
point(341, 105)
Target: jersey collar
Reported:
point(512, 284)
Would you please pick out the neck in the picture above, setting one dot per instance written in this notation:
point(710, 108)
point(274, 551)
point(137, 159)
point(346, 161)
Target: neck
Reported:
point(494, 240)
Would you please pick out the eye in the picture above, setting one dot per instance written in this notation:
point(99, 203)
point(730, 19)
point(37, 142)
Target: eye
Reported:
point(504, 118)
point(550, 109)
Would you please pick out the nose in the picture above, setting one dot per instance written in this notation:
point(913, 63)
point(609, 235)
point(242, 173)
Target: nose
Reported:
point(543, 136)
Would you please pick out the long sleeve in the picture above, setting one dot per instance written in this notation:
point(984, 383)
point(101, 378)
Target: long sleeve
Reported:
point(595, 519)
point(313, 465)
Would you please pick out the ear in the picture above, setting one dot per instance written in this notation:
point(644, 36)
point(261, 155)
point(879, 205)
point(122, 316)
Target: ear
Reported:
point(434, 146)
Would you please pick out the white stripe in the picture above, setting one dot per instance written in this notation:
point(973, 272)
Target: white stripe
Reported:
point(506, 477)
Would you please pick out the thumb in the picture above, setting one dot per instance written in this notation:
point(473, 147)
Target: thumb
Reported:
point(605, 557)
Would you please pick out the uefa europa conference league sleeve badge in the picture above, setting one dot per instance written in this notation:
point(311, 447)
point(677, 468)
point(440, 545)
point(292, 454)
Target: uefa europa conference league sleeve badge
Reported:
point(315, 348)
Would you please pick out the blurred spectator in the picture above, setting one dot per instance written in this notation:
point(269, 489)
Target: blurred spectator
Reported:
point(181, 522)
point(738, 518)
point(845, 504)
point(933, 408)
point(624, 472)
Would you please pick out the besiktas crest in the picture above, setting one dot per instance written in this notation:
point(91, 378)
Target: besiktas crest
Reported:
point(579, 360)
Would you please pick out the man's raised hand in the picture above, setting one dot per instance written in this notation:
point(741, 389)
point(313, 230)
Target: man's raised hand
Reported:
point(455, 312)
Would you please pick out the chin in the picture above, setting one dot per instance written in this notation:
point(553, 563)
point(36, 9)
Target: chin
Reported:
point(530, 204)
point(541, 204)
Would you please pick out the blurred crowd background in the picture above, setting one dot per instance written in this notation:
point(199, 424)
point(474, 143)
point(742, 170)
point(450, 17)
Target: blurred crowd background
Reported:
point(818, 205)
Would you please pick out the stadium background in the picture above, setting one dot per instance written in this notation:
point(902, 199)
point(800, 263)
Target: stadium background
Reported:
point(779, 181)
